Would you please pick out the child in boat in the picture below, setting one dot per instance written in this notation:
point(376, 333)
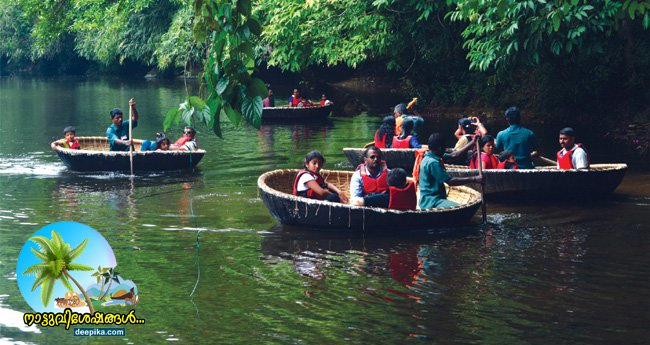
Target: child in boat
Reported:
point(488, 159)
point(507, 160)
point(70, 141)
point(384, 135)
point(310, 184)
point(402, 192)
point(405, 140)
point(162, 143)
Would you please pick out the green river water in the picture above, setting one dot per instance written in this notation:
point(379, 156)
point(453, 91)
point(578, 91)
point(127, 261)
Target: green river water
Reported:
point(552, 272)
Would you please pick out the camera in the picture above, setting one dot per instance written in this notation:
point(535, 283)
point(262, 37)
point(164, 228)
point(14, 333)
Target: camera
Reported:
point(473, 120)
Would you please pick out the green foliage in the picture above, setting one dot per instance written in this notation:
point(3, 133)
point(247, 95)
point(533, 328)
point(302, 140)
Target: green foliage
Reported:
point(16, 42)
point(501, 31)
point(231, 29)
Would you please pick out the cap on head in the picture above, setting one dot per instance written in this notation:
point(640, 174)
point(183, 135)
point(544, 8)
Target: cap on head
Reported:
point(115, 112)
point(568, 131)
point(69, 129)
point(400, 108)
point(513, 115)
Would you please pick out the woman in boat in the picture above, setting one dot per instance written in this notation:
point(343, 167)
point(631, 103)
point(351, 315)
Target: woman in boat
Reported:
point(406, 140)
point(310, 184)
point(384, 135)
point(488, 159)
point(433, 176)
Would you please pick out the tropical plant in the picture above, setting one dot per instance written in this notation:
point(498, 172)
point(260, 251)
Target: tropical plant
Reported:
point(99, 274)
point(109, 276)
point(57, 263)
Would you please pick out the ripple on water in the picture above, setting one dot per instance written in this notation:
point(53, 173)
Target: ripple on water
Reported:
point(29, 164)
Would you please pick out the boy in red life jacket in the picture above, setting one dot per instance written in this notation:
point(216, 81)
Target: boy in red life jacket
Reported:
point(507, 160)
point(70, 141)
point(369, 183)
point(488, 159)
point(406, 140)
point(402, 194)
point(572, 155)
point(310, 184)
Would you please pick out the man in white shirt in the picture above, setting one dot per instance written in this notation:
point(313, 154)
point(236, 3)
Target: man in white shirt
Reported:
point(572, 155)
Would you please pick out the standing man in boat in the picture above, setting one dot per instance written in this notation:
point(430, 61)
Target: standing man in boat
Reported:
point(518, 139)
point(572, 155)
point(118, 132)
point(399, 114)
point(369, 183)
point(433, 175)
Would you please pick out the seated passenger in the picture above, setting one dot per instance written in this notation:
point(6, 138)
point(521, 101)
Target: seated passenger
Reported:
point(310, 184)
point(507, 160)
point(406, 140)
point(402, 194)
point(187, 142)
point(369, 183)
point(162, 143)
point(572, 155)
point(70, 141)
point(384, 135)
point(324, 101)
point(488, 159)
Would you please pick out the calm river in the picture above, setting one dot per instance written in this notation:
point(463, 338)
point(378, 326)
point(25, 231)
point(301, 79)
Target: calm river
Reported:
point(552, 272)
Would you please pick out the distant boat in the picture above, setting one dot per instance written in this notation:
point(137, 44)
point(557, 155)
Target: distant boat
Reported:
point(548, 181)
point(95, 156)
point(316, 113)
point(275, 188)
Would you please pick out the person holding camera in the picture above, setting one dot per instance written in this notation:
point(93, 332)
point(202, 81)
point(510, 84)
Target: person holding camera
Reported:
point(467, 128)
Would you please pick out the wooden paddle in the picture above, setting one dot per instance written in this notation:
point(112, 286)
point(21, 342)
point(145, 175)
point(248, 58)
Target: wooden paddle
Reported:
point(131, 139)
point(546, 160)
point(480, 173)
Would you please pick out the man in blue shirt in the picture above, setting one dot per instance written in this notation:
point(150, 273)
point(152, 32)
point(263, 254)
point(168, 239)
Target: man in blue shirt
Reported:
point(118, 132)
point(518, 139)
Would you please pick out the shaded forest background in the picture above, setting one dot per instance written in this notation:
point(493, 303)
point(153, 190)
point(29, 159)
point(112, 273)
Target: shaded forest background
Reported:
point(574, 59)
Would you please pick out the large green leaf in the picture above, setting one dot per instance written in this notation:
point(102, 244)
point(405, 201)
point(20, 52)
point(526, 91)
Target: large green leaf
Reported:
point(233, 115)
point(172, 114)
point(256, 87)
point(252, 110)
point(222, 84)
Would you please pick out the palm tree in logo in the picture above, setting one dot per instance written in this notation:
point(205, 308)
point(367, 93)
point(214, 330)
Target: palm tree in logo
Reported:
point(56, 266)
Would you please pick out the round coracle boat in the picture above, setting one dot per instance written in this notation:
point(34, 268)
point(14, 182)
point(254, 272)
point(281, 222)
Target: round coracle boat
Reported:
point(316, 113)
point(275, 188)
point(94, 155)
point(547, 181)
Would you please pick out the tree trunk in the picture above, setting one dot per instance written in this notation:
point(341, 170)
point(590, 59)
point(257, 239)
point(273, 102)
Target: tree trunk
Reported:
point(83, 291)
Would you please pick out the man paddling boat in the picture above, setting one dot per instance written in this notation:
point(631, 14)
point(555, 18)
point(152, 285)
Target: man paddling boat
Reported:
point(118, 132)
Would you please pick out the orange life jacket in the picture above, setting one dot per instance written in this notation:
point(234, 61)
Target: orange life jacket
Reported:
point(401, 143)
point(493, 162)
point(502, 165)
point(565, 162)
point(373, 185)
point(380, 143)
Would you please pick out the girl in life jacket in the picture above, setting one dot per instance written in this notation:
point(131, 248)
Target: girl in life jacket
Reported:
point(384, 135)
point(406, 140)
point(310, 184)
point(488, 159)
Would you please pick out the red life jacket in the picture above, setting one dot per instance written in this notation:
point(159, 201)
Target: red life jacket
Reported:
point(310, 192)
point(380, 143)
point(564, 162)
point(401, 143)
point(403, 198)
point(322, 103)
point(74, 144)
point(182, 140)
point(493, 162)
point(502, 165)
point(373, 185)
point(295, 101)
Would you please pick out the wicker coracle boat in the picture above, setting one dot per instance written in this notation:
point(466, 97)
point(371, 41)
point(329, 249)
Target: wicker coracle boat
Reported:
point(275, 188)
point(95, 156)
point(547, 181)
point(316, 113)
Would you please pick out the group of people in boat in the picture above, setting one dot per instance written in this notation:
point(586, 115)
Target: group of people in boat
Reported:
point(119, 138)
point(296, 100)
point(373, 184)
